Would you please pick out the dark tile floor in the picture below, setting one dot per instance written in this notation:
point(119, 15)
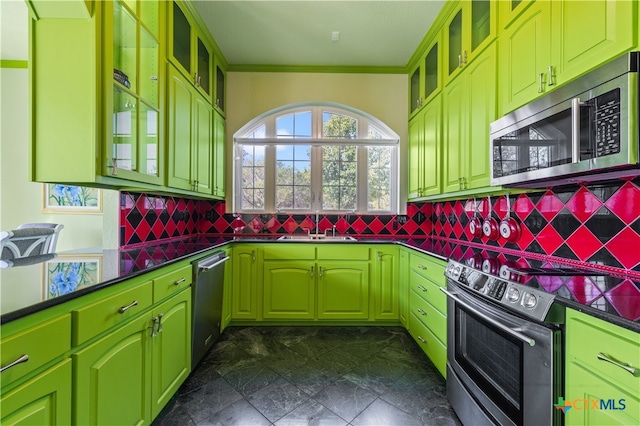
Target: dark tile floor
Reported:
point(312, 376)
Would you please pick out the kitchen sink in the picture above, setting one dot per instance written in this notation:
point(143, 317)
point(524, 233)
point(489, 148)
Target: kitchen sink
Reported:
point(317, 238)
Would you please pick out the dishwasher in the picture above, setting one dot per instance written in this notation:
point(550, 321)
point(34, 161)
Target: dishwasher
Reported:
point(207, 304)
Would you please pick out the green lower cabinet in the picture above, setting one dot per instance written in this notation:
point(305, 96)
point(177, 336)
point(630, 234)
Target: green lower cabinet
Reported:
point(111, 377)
point(226, 293)
point(289, 290)
point(43, 400)
point(171, 348)
point(385, 283)
point(244, 298)
point(343, 290)
point(403, 288)
point(429, 343)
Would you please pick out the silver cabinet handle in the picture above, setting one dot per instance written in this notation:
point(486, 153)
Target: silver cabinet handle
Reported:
point(154, 320)
point(422, 288)
point(422, 339)
point(180, 281)
point(131, 305)
point(540, 78)
point(514, 333)
point(379, 256)
point(195, 78)
point(159, 323)
point(423, 313)
point(312, 271)
point(421, 266)
point(319, 271)
point(114, 171)
point(626, 367)
point(253, 255)
point(464, 57)
point(23, 358)
point(459, 61)
point(550, 72)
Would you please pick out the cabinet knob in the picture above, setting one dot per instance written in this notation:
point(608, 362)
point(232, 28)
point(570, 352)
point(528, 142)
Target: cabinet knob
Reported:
point(20, 360)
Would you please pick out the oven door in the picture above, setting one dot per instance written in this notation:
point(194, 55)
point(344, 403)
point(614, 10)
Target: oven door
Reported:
point(502, 368)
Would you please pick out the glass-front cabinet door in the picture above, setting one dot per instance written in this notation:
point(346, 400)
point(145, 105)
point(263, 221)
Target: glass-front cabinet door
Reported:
point(470, 28)
point(220, 89)
point(132, 122)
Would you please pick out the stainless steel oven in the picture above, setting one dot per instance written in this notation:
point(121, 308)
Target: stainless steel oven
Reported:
point(504, 360)
point(587, 127)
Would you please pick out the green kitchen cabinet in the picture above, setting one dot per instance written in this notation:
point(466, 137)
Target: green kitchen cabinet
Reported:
point(98, 120)
point(227, 289)
point(470, 28)
point(191, 131)
point(221, 91)
point(189, 49)
point(171, 348)
point(43, 400)
point(289, 289)
point(426, 78)
point(385, 283)
point(601, 364)
point(112, 377)
point(403, 288)
point(343, 289)
point(244, 298)
point(509, 10)
point(425, 147)
point(551, 43)
point(469, 106)
point(219, 155)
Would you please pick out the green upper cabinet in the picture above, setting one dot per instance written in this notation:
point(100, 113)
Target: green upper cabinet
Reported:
point(425, 80)
point(552, 42)
point(508, 10)
point(425, 150)
point(189, 50)
point(191, 135)
point(133, 148)
point(470, 28)
point(469, 107)
point(219, 155)
point(220, 91)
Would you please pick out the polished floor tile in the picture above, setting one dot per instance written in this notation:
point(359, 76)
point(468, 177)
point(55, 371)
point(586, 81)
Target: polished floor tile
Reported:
point(325, 376)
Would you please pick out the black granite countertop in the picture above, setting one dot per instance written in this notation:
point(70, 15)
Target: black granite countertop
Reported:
point(75, 273)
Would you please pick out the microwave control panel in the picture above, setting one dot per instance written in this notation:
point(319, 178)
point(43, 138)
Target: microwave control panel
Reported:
point(607, 123)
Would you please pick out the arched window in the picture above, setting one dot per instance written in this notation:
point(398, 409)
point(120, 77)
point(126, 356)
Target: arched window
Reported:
point(321, 157)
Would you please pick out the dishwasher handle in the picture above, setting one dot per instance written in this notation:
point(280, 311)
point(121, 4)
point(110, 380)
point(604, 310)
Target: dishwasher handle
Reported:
point(207, 264)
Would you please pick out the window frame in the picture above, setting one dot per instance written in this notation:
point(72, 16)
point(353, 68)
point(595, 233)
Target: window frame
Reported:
point(362, 142)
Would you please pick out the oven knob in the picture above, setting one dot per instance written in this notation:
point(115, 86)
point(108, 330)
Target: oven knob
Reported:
point(513, 294)
point(529, 300)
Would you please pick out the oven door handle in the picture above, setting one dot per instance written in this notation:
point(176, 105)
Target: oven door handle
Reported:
point(520, 336)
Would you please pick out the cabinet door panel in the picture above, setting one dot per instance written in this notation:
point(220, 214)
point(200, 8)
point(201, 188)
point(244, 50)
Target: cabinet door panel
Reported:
point(431, 151)
point(111, 378)
point(343, 290)
point(43, 400)
point(204, 144)
point(386, 284)
point(171, 349)
point(455, 105)
point(416, 156)
point(245, 283)
point(289, 290)
point(180, 128)
point(219, 155)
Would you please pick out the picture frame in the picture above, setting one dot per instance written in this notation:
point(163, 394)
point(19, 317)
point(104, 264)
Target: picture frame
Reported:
point(60, 198)
point(68, 273)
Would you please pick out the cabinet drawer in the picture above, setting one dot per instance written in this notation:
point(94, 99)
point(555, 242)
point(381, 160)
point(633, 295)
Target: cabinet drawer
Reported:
point(97, 317)
point(172, 282)
point(429, 344)
point(432, 269)
point(344, 251)
point(41, 343)
point(588, 336)
point(289, 251)
point(429, 316)
point(428, 291)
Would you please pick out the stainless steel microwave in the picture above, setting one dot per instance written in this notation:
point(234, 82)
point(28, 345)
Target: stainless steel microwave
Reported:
point(584, 131)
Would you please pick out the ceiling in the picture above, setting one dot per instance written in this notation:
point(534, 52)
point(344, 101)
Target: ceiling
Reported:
point(299, 33)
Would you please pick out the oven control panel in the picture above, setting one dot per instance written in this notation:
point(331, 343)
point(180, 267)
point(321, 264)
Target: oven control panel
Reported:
point(528, 301)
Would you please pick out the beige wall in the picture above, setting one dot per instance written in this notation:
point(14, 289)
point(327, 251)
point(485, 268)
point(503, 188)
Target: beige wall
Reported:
point(383, 96)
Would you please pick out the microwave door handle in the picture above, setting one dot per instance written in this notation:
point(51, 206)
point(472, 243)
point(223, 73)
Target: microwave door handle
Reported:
point(524, 338)
point(575, 130)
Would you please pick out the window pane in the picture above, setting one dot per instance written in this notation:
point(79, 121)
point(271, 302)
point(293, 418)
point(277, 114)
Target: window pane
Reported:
point(339, 168)
point(339, 126)
point(259, 133)
point(252, 177)
point(293, 177)
point(379, 178)
point(296, 125)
